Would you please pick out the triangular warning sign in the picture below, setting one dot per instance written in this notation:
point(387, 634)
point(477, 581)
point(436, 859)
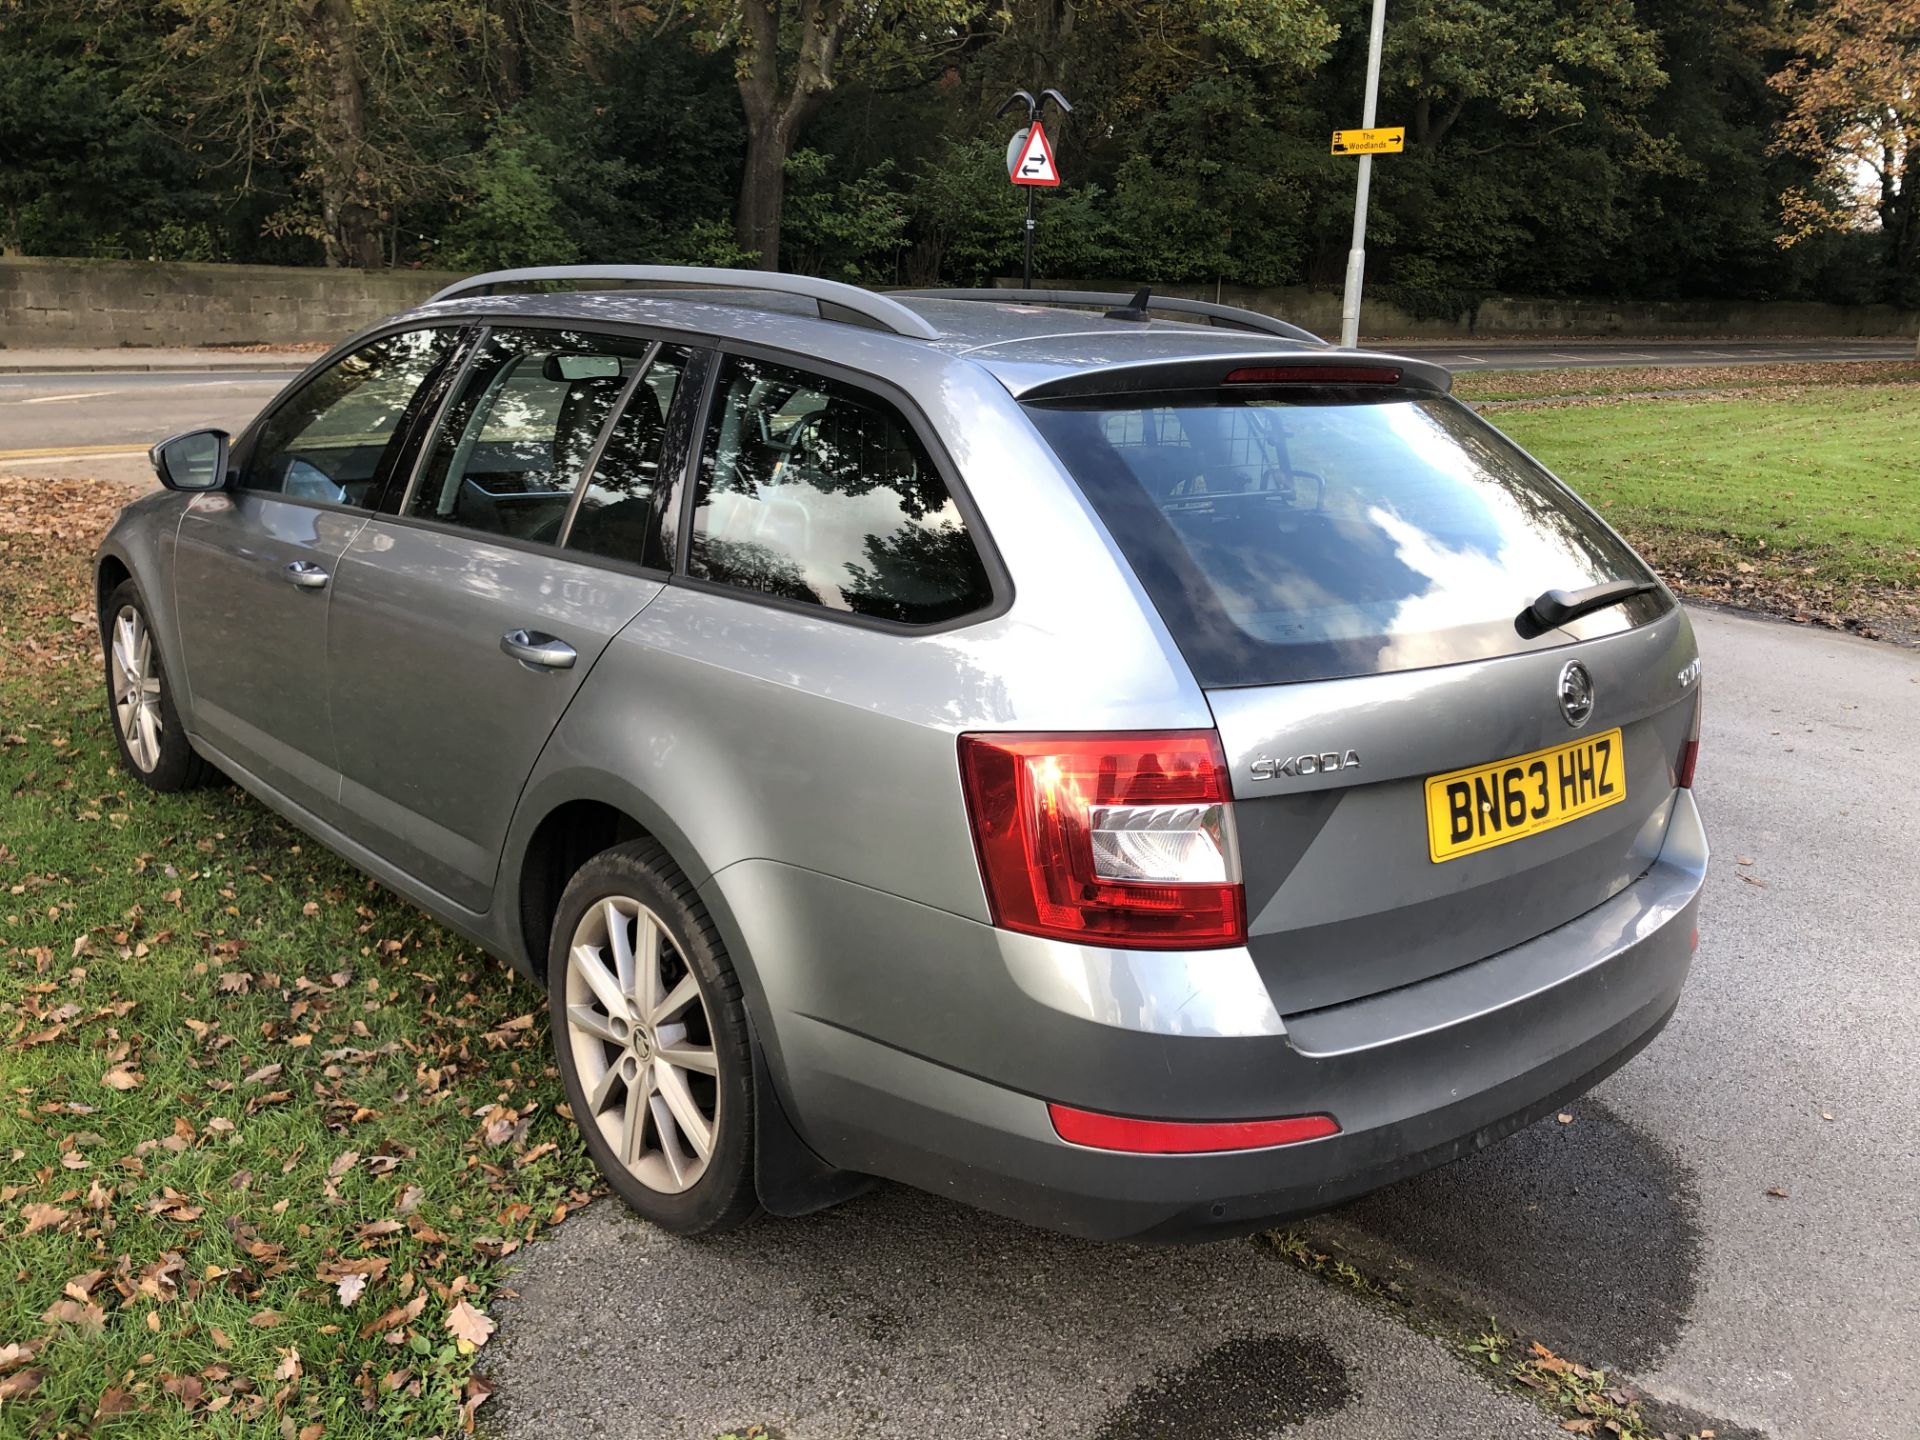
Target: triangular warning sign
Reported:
point(1035, 165)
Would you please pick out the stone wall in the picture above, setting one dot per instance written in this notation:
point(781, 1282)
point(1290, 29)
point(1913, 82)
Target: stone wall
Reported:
point(46, 302)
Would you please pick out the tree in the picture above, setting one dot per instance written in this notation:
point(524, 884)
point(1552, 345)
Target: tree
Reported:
point(362, 99)
point(787, 57)
point(1853, 94)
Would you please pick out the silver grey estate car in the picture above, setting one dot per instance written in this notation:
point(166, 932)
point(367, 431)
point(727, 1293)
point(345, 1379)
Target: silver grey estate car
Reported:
point(1116, 761)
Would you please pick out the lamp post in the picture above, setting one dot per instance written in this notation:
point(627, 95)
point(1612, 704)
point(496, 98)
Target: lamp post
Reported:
point(1357, 256)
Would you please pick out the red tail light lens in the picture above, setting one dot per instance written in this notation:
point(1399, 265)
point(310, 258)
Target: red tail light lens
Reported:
point(1123, 839)
point(1690, 752)
point(1184, 1137)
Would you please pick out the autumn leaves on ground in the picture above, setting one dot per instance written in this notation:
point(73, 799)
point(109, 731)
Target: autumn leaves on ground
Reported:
point(264, 1128)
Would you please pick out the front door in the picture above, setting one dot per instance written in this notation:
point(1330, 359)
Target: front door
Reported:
point(464, 626)
point(254, 564)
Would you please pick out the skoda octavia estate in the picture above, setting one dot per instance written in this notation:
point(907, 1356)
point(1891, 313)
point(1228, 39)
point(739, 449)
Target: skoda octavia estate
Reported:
point(1115, 761)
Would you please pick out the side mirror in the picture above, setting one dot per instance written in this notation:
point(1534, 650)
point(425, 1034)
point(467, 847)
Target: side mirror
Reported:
point(196, 460)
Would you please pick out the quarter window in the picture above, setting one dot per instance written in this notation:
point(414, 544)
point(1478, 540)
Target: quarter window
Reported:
point(340, 435)
point(520, 432)
point(815, 491)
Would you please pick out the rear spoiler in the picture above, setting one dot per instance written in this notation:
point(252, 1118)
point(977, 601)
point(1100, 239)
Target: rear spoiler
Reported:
point(1346, 368)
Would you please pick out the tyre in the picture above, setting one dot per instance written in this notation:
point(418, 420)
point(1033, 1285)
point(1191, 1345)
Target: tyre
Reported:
point(153, 742)
point(651, 1038)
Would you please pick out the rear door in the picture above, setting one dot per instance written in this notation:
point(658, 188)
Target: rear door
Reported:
point(1345, 568)
point(463, 626)
point(255, 563)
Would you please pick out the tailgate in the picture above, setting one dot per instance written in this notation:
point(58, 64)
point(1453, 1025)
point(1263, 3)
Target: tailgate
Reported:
point(1344, 895)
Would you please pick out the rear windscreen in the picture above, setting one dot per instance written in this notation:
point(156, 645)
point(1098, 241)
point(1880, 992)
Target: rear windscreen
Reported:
point(1302, 535)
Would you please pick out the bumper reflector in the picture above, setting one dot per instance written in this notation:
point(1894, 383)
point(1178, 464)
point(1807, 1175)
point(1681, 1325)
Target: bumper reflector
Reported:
point(1184, 1137)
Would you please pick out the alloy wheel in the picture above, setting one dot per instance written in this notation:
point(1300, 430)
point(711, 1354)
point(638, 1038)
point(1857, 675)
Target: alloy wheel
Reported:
point(136, 687)
point(642, 1045)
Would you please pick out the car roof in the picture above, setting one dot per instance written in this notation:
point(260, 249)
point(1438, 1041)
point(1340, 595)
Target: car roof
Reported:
point(1022, 344)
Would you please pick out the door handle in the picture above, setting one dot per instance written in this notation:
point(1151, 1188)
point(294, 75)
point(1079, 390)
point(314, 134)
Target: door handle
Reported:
point(307, 575)
point(534, 647)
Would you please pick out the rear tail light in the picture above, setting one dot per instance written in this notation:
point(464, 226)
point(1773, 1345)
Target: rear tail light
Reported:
point(1183, 1137)
point(1123, 839)
point(1690, 752)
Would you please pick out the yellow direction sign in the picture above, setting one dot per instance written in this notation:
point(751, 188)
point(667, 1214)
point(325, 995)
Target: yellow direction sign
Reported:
point(1387, 140)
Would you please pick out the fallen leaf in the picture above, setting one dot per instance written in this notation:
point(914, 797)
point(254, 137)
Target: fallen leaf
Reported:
point(470, 1328)
point(1778, 1192)
point(350, 1287)
point(21, 1383)
point(41, 1217)
point(122, 1077)
point(81, 1313)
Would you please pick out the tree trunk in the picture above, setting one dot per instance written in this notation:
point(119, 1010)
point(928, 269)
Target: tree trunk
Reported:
point(352, 222)
point(763, 192)
point(777, 107)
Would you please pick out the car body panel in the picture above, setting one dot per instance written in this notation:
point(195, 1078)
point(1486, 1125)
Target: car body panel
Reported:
point(427, 778)
point(1343, 899)
point(253, 644)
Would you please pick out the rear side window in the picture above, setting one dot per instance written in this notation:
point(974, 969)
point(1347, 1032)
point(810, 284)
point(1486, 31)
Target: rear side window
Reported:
point(816, 491)
point(1306, 535)
point(518, 436)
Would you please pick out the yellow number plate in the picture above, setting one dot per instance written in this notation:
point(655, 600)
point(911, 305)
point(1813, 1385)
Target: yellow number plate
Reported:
point(1487, 805)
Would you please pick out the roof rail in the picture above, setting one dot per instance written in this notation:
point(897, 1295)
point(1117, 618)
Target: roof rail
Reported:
point(828, 295)
point(1230, 315)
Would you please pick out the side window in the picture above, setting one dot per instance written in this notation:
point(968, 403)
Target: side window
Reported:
point(816, 491)
point(620, 509)
point(518, 436)
point(336, 438)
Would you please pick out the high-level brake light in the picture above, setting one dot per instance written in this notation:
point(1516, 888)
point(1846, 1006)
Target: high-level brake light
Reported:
point(1314, 375)
point(1122, 839)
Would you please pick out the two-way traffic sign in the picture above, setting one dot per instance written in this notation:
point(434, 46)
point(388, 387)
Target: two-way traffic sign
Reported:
point(1034, 164)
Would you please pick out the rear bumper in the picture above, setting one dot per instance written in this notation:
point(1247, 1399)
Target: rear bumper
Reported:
point(938, 1073)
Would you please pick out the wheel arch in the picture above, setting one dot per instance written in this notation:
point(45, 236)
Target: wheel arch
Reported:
point(563, 827)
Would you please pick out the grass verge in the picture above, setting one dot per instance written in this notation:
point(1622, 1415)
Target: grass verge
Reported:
point(265, 1129)
point(1800, 501)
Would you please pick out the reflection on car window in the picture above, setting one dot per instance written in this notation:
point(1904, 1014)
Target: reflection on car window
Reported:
point(520, 432)
point(1304, 538)
point(814, 491)
point(331, 441)
point(619, 511)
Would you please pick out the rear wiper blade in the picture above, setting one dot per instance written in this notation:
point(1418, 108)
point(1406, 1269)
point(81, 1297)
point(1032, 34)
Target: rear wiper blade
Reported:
point(1557, 607)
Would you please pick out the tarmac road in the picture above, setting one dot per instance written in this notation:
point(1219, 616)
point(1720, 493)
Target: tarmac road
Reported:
point(1641, 1236)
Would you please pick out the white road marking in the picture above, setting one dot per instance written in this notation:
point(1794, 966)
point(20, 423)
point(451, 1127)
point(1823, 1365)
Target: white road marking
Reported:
point(77, 395)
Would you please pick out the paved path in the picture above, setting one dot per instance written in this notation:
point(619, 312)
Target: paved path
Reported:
point(1641, 1235)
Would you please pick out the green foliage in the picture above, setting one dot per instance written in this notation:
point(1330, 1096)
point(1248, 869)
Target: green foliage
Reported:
point(1598, 147)
point(844, 229)
point(512, 217)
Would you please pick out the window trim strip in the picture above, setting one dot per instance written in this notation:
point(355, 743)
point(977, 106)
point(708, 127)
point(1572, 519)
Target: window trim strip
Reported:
point(600, 442)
